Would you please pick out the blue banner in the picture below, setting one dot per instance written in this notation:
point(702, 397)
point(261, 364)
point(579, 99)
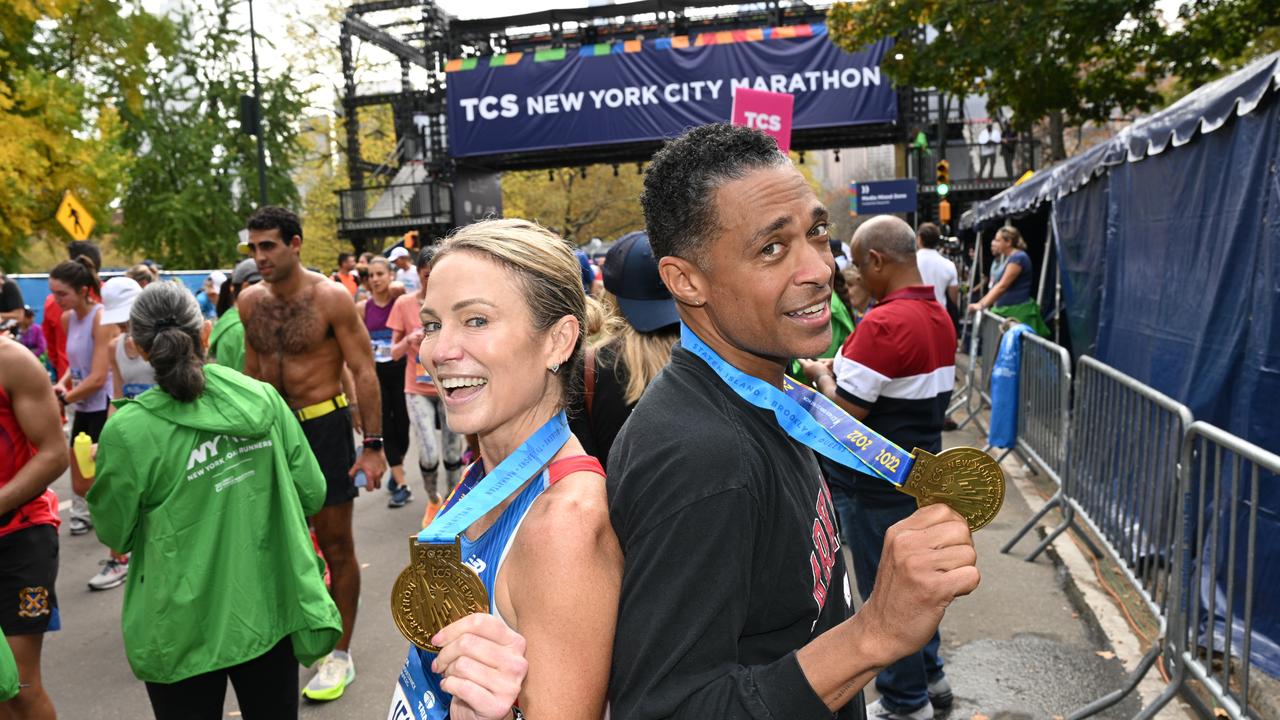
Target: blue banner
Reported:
point(888, 196)
point(516, 103)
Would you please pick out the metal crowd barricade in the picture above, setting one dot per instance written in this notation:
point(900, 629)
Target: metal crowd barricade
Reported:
point(1044, 396)
point(1122, 482)
point(1222, 475)
point(984, 345)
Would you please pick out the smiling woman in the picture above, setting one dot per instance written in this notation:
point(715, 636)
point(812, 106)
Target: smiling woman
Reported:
point(502, 321)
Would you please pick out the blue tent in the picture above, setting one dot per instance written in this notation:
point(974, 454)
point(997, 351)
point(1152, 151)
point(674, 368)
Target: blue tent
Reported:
point(1167, 245)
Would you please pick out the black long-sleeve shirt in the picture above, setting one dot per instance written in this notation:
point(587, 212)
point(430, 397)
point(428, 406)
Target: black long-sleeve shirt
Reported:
point(732, 557)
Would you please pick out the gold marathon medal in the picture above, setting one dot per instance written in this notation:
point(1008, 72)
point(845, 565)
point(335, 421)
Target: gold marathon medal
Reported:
point(435, 590)
point(965, 478)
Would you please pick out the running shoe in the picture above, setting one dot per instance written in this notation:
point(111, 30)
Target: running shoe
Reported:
point(80, 526)
point(400, 494)
point(877, 711)
point(940, 693)
point(337, 671)
point(113, 574)
point(81, 521)
point(433, 507)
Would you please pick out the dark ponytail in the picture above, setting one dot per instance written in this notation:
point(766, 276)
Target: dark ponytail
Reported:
point(166, 323)
point(78, 273)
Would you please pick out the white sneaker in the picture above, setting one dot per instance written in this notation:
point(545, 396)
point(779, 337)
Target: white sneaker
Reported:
point(113, 574)
point(877, 711)
point(336, 672)
point(81, 522)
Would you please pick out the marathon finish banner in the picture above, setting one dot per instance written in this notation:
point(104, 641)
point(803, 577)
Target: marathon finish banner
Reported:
point(655, 89)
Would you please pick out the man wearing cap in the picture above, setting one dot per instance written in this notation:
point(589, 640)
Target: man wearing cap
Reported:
point(618, 373)
point(226, 342)
point(406, 273)
point(207, 297)
point(300, 329)
point(735, 602)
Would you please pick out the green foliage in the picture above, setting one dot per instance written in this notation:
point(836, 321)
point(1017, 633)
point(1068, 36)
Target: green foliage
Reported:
point(1069, 61)
point(1219, 36)
point(194, 175)
point(577, 207)
point(63, 65)
point(1083, 58)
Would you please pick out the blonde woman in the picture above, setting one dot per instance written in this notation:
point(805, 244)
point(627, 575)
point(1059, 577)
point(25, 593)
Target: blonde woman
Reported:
point(636, 346)
point(503, 342)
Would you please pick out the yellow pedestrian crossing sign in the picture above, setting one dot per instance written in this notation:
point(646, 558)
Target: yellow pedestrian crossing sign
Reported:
point(74, 218)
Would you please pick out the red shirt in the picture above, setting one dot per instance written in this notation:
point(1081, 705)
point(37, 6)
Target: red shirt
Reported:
point(54, 336)
point(15, 451)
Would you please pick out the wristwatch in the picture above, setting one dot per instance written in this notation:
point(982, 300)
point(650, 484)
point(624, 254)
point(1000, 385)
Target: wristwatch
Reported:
point(373, 442)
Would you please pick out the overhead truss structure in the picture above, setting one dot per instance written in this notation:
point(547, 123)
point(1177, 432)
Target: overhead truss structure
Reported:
point(410, 190)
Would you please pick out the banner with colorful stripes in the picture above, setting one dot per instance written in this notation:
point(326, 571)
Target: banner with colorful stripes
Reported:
point(723, 37)
point(646, 90)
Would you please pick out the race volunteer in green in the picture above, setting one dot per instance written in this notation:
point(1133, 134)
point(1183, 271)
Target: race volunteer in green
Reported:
point(735, 599)
point(208, 481)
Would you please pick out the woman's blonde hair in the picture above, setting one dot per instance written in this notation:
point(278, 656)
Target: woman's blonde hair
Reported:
point(1014, 237)
point(549, 276)
point(641, 355)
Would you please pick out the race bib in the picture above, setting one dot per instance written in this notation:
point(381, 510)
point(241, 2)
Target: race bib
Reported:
point(423, 376)
point(381, 344)
point(417, 696)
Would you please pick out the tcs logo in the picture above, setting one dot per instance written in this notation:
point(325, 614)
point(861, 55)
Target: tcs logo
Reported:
point(763, 121)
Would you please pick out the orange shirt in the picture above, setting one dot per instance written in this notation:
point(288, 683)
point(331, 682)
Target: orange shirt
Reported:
point(404, 318)
point(348, 282)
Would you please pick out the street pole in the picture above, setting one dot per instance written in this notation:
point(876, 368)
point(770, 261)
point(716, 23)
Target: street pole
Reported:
point(257, 115)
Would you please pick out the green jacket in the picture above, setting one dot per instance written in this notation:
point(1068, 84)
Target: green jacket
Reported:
point(8, 672)
point(212, 498)
point(226, 341)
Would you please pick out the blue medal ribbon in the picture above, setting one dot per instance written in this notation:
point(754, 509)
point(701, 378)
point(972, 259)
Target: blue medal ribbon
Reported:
point(482, 492)
point(811, 418)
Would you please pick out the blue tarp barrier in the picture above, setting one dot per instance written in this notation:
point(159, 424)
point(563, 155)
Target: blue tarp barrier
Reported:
point(36, 287)
point(1169, 244)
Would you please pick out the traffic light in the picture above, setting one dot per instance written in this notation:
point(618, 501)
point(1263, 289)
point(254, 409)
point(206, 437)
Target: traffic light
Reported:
point(944, 211)
point(942, 181)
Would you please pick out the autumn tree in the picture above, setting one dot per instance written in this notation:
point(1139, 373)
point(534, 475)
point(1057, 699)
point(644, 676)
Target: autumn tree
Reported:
point(1063, 61)
point(577, 203)
point(67, 67)
point(194, 175)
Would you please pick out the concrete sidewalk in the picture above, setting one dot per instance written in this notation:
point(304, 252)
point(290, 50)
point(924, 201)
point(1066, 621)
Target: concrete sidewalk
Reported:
point(1037, 640)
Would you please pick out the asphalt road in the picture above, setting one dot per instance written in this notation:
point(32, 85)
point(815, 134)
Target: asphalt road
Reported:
point(1021, 647)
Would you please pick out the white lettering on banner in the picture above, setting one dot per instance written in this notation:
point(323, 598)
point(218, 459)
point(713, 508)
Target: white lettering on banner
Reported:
point(491, 107)
point(763, 121)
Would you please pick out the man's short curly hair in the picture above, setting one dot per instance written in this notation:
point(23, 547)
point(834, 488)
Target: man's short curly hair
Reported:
point(271, 217)
point(680, 184)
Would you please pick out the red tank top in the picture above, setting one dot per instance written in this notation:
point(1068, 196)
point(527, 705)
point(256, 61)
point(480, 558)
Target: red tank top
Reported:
point(16, 451)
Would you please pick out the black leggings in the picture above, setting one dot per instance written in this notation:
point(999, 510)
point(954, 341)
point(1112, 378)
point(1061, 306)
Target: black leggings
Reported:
point(266, 688)
point(395, 416)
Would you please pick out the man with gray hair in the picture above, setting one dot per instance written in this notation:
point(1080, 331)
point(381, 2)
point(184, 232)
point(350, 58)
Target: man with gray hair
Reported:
point(896, 374)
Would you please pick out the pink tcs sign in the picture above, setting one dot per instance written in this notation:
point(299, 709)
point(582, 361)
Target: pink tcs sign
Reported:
point(769, 112)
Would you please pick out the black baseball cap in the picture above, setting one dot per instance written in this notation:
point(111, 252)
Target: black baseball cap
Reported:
point(631, 274)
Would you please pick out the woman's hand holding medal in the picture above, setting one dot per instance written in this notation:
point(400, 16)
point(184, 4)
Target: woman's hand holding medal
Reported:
point(483, 666)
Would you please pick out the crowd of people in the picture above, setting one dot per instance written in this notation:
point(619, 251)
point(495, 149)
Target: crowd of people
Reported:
point(675, 550)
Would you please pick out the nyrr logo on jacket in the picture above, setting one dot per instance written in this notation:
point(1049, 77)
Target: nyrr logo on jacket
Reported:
point(204, 451)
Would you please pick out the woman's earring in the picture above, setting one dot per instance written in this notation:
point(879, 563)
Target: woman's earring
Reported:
point(554, 368)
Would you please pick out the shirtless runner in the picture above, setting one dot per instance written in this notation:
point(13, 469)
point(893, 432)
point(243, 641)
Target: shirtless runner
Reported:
point(300, 329)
